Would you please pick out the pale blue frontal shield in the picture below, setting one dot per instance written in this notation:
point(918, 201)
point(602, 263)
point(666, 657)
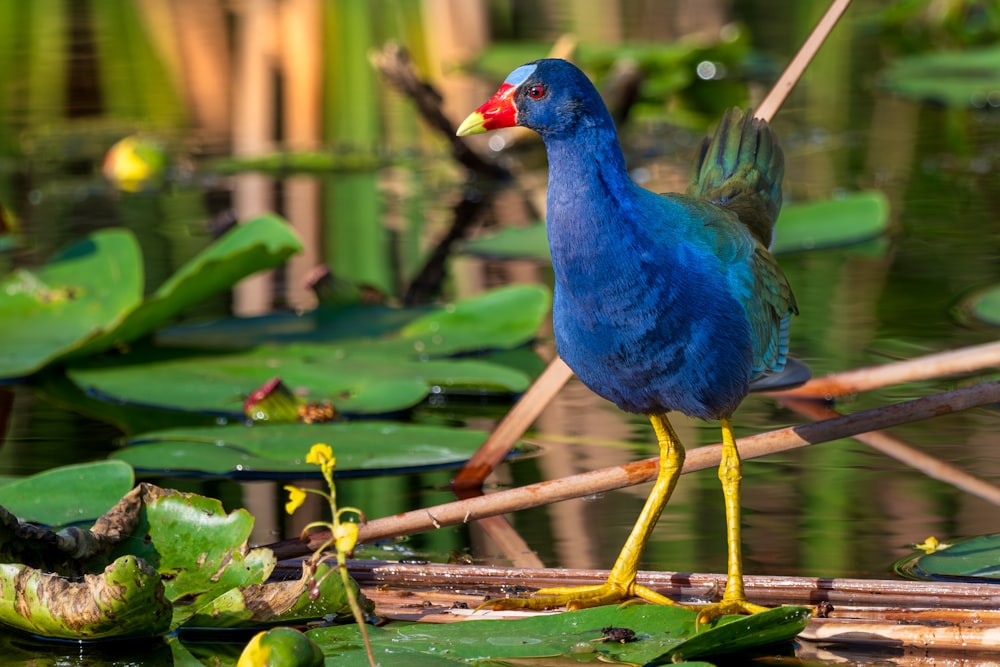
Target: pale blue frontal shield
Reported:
point(518, 76)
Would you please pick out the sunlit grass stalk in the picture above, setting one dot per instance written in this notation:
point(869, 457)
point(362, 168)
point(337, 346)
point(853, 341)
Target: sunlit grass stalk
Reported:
point(13, 79)
point(343, 535)
point(135, 81)
point(47, 52)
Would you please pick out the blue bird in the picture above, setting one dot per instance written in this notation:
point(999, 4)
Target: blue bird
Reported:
point(663, 302)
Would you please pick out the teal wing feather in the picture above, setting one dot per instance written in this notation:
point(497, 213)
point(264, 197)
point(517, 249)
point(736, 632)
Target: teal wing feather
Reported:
point(771, 316)
point(740, 169)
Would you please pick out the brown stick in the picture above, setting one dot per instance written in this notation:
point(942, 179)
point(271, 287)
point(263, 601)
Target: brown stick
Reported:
point(929, 465)
point(779, 91)
point(768, 589)
point(607, 479)
point(952, 362)
point(512, 427)
point(548, 384)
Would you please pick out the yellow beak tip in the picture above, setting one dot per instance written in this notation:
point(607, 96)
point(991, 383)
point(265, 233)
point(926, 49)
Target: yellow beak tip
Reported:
point(474, 124)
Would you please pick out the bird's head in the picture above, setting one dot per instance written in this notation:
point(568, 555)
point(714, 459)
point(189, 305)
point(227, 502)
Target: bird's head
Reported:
point(552, 97)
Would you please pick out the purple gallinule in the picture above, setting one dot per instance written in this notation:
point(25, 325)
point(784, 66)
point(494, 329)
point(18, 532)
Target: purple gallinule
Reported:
point(663, 302)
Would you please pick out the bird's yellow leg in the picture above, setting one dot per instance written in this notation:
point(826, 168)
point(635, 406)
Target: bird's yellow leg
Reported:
point(734, 600)
point(620, 584)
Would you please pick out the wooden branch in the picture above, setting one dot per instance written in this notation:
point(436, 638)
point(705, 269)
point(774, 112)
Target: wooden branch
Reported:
point(779, 91)
point(926, 616)
point(770, 590)
point(630, 474)
point(512, 427)
point(952, 362)
point(608, 479)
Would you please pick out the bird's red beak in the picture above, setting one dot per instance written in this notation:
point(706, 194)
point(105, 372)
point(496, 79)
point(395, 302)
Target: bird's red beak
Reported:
point(498, 111)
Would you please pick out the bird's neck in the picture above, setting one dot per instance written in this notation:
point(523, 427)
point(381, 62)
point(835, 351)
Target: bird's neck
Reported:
point(589, 185)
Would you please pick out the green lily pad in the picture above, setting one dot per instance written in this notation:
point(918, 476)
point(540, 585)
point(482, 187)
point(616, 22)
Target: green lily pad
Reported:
point(364, 381)
point(323, 324)
point(89, 297)
point(662, 635)
point(983, 305)
point(200, 550)
point(67, 494)
point(529, 242)
point(360, 376)
point(954, 78)
point(278, 602)
point(361, 448)
point(261, 243)
point(498, 319)
point(831, 223)
point(126, 600)
point(85, 288)
point(502, 318)
point(975, 559)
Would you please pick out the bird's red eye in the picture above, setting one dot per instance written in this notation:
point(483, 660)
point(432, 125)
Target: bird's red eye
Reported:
point(536, 92)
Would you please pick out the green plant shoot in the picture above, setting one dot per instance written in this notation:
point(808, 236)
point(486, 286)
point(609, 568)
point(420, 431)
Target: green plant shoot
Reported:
point(343, 534)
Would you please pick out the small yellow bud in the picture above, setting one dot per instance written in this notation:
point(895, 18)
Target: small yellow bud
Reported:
point(345, 536)
point(255, 655)
point(931, 545)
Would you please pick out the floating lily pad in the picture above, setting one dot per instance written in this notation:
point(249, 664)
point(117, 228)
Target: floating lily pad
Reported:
point(361, 376)
point(89, 297)
point(983, 305)
point(198, 548)
point(832, 223)
point(355, 382)
point(126, 600)
point(261, 243)
point(662, 635)
point(67, 494)
point(323, 324)
point(277, 601)
point(498, 319)
point(361, 448)
point(85, 288)
point(954, 78)
point(975, 559)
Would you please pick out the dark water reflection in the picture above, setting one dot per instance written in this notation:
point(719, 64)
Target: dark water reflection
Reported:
point(833, 510)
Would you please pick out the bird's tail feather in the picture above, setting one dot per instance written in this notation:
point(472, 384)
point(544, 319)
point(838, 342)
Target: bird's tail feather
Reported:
point(740, 168)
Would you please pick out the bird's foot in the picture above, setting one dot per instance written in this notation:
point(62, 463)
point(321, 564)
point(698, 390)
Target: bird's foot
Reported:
point(580, 597)
point(708, 613)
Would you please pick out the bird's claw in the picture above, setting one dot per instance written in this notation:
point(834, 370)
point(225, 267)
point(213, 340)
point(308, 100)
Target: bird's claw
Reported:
point(711, 612)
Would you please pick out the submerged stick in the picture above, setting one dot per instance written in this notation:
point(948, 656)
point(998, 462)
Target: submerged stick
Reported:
point(929, 465)
point(540, 394)
point(952, 362)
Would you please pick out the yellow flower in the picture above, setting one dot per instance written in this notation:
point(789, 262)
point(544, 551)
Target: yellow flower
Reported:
point(930, 545)
point(322, 455)
point(345, 536)
point(296, 497)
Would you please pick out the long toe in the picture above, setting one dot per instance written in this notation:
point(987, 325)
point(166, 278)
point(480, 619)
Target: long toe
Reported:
point(709, 613)
point(582, 597)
